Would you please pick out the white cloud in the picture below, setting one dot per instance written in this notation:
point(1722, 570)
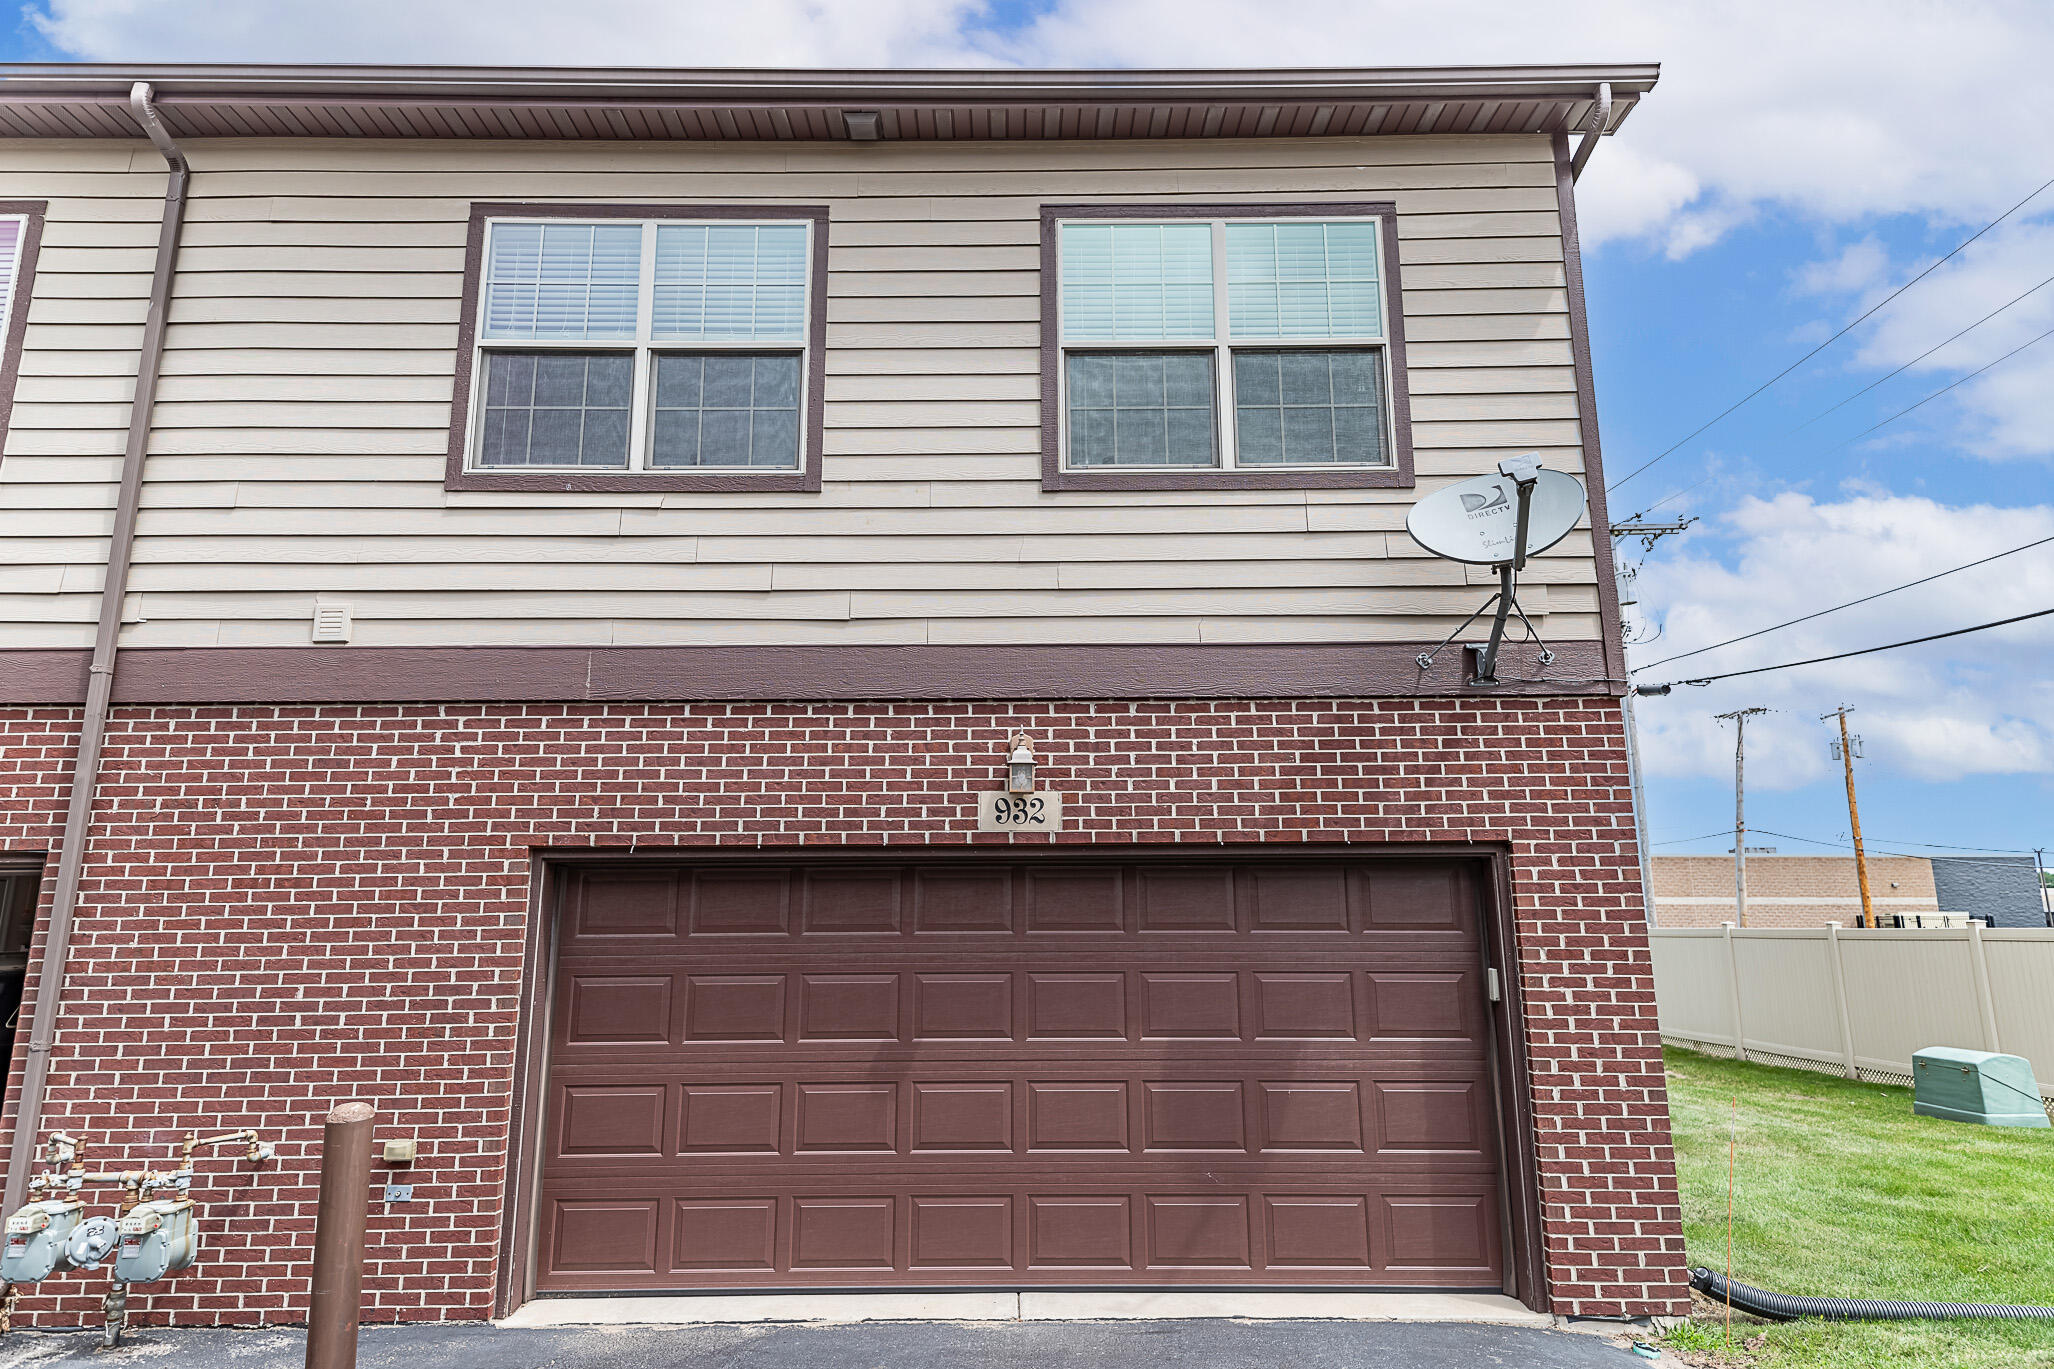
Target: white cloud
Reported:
point(1832, 109)
point(802, 33)
point(1980, 704)
point(2007, 413)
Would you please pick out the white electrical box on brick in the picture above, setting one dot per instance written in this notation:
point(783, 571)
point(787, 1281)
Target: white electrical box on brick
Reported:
point(331, 621)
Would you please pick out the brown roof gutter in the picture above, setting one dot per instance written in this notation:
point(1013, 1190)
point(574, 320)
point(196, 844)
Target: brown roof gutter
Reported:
point(176, 81)
point(85, 771)
point(80, 99)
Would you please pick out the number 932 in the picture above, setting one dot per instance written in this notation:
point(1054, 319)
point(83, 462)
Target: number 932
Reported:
point(1026, 810)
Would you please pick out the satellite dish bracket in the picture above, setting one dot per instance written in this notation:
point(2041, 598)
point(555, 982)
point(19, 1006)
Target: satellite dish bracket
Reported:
point(1525, 474)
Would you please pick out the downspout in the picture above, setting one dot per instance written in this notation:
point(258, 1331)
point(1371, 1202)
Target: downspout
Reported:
point(85, 771)
point(1600, 118)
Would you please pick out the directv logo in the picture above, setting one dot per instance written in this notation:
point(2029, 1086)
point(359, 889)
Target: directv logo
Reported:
point(1484, 503)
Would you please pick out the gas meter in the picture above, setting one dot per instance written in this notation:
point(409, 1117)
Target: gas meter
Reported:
point(92, 1241)
point(157, 1238)
point(36, 1237)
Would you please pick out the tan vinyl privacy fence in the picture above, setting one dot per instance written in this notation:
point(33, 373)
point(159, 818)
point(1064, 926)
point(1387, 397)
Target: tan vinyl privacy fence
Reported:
point(1858, 1002)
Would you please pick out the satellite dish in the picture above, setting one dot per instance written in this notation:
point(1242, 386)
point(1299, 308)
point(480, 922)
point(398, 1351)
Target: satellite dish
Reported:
point(1477, 521)
point(1497, 521)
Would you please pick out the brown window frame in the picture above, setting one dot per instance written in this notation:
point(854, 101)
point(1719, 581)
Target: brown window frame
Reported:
point(33, 213)
point(1054, 475)
point(806, 479)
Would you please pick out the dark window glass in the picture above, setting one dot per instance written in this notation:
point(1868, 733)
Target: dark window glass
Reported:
point(1309, 408)
point(1142, 409)
point(726, 409)
point(556, 409)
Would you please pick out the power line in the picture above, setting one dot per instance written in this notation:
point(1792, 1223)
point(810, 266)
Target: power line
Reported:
point(1909, 584)
point(1944, 389)
point(1923, 355)
point(1900, 855)
point(1865, 651)
point(1721, 415)
point(1872, 427)
point(1848, 846)
point(1943, 846)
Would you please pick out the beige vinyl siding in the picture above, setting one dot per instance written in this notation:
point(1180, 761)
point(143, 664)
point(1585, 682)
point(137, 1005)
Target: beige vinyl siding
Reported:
point(303, 416)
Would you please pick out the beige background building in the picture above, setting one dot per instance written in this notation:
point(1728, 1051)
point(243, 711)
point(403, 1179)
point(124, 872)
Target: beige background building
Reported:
point(1789, 891)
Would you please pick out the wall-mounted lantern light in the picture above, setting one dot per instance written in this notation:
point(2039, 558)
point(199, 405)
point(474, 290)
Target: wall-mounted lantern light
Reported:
point(1020, 765)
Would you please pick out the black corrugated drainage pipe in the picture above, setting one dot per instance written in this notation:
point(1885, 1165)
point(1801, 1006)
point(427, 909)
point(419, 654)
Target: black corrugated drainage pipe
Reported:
point(85, 769)
point(1760, 1302)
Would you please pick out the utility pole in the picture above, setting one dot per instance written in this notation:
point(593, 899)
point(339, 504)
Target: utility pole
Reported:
point(1649, 534)
point(1740, 717)
point(2040, 877)
point(1846, 750)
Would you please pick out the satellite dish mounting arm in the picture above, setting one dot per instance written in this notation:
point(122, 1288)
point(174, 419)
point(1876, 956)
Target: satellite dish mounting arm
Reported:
point(1525, 473)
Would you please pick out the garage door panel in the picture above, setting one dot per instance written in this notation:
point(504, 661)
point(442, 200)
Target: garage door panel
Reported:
point(751, 903)
point(1006, 1234)
point(993, 1071)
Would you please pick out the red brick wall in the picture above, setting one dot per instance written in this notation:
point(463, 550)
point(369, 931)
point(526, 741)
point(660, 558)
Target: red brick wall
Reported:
point(286, 906)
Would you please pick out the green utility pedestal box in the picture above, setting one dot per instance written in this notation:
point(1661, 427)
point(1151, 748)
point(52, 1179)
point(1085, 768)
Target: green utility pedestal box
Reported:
point(1975, 1086)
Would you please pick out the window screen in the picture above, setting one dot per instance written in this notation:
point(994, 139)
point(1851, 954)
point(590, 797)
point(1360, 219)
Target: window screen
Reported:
point(1309, 408)
point(726, 409)
point(557, 409)
point(1141, 409)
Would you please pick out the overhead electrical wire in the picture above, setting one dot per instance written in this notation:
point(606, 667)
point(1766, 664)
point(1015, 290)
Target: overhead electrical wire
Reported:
point(1851, 603)
point(1901, 855)
point(1923, 355)
point(1944, 389)
point(1848, 846)
point(1865, 651)
point(1868, 387)
point(1751, 394)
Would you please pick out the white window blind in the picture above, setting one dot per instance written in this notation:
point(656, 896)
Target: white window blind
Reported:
point(574, 281)
point(10, 268)
point(1137, 282)
point(730, 282)
point(1303, 280)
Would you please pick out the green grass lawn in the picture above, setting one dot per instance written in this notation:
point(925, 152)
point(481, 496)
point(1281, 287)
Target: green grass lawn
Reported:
point(1842, 1192)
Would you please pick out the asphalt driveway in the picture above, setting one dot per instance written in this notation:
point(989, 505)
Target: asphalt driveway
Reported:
point(1209, 1344)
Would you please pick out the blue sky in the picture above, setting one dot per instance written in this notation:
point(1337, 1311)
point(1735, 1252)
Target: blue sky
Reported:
point(1800, 160)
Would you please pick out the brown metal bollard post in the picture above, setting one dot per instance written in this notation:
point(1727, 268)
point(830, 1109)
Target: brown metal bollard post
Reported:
point(338, 1283)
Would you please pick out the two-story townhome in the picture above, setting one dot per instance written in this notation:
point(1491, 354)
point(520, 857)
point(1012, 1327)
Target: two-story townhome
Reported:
point(521, 592)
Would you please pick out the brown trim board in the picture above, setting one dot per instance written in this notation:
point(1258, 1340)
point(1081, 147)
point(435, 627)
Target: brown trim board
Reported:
point(197, 675)
point(24, 290)
point(530, 1099)
point(1053, 474)
point(1587, 418)
point(805, 480)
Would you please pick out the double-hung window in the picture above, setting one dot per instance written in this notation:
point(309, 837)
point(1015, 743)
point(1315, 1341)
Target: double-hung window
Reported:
point(1223, 346)
point(675, 351)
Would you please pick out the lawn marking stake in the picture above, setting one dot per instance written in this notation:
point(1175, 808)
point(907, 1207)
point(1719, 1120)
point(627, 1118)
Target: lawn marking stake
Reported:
point(1732, 1151)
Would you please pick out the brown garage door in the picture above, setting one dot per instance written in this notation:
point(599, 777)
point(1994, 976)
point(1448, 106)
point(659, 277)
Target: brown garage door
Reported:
point(1020, 1072)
